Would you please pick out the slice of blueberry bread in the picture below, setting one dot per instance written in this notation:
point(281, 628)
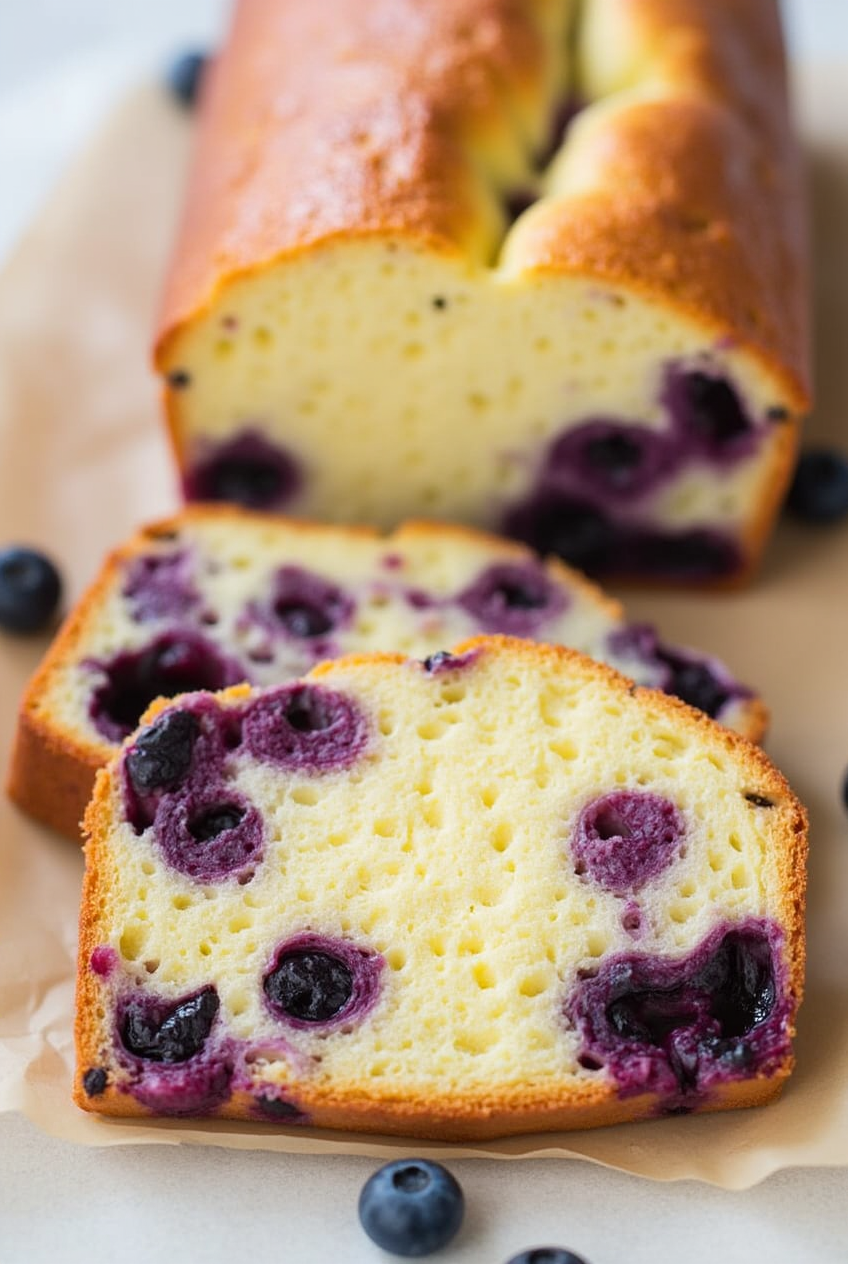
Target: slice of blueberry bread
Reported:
point(542, 270)
point(496, 891)
point(217, 596)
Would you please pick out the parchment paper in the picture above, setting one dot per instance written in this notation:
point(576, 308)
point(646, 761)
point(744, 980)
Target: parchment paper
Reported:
point(83, 461)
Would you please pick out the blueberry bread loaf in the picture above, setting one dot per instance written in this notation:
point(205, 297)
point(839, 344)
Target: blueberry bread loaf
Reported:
point(497, 891)
point(217, 595)
point(523, 264)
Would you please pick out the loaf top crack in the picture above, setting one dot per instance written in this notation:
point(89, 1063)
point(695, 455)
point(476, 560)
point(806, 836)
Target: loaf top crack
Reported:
point(416, 123)
point(497, 891)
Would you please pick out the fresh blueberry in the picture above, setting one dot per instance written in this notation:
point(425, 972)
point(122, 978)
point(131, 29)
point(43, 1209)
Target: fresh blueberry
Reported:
point(309, 985)
point(30, 588)
point(411, 1207)
point(546, 1255)
point(183, 77)
point(161, 755)
point(819, 491)
point(845, 789)
point(160, 1032)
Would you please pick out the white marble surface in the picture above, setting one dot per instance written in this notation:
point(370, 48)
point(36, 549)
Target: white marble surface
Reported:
point(61, 63)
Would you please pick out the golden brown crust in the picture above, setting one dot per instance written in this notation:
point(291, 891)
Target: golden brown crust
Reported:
point(452, 1119)
point(50, 774)
point(508, 1110)
point(698, 202)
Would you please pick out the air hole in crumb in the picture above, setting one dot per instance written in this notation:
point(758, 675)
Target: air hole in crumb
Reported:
point(533, 984)
point(502, 836)
point(306, 795)
point(483, 976)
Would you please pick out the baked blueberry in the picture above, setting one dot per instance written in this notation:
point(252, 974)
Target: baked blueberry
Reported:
point(568, 526)
point(411, 1207)
point(94, 1081)
point(161, 755)
point(710, 409)
point(214, 821)
point(311, 986)
point(819, 491)
point(442, 658)
point(696, 683)
point(158, 1031)
point(306, 727)
point(160, 586)
point(30, 589)
point(546, 1255)
point(304, 605)
point(183, 76)
point(209, 834)
point(623, 839)
point(316, 980)
point(687, 556)
point(175, 662)
point(512, 597)
point(247, 470)
point(612, 460)
point(281, 1110)
point(678, 1026)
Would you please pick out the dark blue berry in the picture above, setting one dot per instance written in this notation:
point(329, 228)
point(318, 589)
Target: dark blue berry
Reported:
point(94, 1082)
point(170, 1033)
point(546, 1255)
point(440, 659)
point(175, 662)
point(215, 820)
point(309, 985)
point(411, 1207)
point(183, 77)
point(161, 755)
point(845, 789)
point(819, 491)
point(712, 409)
point(695, 684)
point(30, 588)
point(245, 480)
point(278, 1108)
point(305, 605)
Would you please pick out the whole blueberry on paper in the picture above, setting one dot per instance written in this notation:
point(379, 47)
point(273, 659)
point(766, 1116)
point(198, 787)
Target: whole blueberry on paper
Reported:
point(30, 589)
point(819, 491)
point(183, 77)
point(411, 1207)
